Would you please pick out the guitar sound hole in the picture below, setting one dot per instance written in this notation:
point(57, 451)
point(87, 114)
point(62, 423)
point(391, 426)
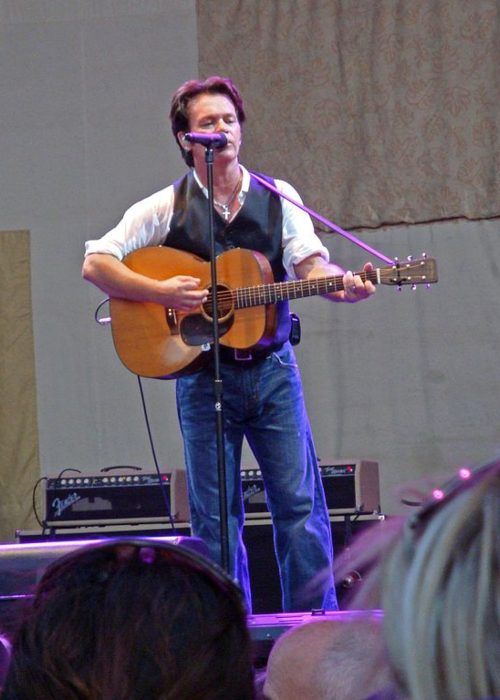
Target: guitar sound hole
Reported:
point(225, 305)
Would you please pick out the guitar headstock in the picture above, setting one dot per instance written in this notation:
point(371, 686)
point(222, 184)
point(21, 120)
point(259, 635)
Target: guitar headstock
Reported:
point(413, 272)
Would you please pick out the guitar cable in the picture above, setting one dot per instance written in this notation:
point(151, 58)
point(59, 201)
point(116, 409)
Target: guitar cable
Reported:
point(105, 321)
point(155, 459)
point(102, 321)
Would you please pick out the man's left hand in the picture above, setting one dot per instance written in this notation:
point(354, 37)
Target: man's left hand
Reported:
point(354, 287)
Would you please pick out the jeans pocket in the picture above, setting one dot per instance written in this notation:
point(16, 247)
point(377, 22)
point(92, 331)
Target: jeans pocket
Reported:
point(289, 362)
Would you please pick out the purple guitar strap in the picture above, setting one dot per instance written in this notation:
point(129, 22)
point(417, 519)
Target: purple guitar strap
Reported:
point(324, 221)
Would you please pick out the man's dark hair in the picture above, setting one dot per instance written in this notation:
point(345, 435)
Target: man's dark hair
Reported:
point(179, 117)
point(133, 620)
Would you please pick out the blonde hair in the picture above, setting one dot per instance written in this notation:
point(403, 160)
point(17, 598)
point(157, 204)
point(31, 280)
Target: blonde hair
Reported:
point(440, 594)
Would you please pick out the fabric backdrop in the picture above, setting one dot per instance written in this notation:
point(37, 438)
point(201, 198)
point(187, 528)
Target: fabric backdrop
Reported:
point(379, 112)
point(19, 463)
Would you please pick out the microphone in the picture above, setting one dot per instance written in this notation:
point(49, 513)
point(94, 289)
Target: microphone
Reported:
point(217, 140)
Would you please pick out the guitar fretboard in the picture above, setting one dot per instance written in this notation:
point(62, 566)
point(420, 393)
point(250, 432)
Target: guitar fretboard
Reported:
point(293, 289)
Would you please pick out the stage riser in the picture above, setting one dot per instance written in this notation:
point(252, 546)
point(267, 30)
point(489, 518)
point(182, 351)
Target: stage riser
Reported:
point(266, 629)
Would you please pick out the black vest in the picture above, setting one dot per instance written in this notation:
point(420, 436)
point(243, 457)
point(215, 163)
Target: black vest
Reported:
point(257, 226)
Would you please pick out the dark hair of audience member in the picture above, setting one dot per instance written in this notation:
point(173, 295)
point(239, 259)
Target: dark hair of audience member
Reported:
point(133, 621)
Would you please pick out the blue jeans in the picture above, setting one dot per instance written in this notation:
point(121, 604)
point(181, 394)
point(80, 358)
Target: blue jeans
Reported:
point(265, 404)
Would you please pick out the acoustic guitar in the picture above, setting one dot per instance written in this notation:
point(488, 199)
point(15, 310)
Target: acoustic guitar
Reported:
point(159, 342)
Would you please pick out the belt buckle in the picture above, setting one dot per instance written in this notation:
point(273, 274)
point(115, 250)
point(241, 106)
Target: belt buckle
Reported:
point(243, 355)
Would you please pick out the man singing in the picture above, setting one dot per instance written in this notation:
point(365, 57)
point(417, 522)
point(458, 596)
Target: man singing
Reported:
point(263, 399)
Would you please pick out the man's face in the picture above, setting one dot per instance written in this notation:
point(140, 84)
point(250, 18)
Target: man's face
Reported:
point(214, 113)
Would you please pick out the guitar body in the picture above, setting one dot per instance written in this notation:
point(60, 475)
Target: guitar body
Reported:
point(153, 341)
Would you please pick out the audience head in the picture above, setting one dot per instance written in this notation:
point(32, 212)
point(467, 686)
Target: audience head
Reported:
point(337, 658)
point(440, 592)
point(133, 619)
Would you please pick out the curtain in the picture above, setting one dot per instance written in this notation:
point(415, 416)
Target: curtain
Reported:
point(19, 462)
point(378, 112)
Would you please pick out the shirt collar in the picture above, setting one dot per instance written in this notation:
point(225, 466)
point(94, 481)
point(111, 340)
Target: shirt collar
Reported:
point(245, 183)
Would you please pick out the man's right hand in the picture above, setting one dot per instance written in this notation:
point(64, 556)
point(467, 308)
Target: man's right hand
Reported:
point(181, 292)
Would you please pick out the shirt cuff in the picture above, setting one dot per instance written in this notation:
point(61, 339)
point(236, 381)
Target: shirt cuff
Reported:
point(99, 246)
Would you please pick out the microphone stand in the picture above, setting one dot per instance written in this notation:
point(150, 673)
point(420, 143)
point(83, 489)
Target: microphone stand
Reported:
point(218, 388)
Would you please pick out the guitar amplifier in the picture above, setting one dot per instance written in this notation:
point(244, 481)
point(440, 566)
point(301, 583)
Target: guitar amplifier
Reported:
point(351, 486)
point(118, 498)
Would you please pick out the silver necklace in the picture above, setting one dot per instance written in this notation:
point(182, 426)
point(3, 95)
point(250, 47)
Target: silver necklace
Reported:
point(226, 208)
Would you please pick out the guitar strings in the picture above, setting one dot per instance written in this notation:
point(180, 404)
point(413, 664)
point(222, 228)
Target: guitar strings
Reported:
point(258, 293)
point(291, 285)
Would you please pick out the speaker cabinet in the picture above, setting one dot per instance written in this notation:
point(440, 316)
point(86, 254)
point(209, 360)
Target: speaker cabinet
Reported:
point(264, 576)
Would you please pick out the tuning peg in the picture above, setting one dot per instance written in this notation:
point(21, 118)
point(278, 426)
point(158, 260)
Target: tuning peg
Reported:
point(424, 255)
point(414, 287)
point(409, 258)
point(428, 286)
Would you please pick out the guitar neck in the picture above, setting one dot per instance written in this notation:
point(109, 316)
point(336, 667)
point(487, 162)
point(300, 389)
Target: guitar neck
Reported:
point(294, 289)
